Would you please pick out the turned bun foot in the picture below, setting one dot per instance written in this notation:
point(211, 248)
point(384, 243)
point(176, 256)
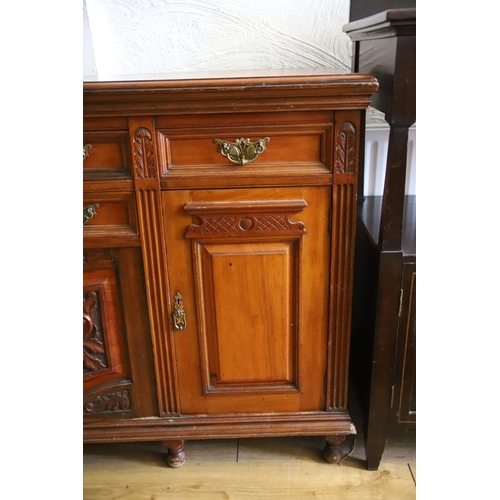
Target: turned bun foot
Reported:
point(175, 456)
point(333, 449)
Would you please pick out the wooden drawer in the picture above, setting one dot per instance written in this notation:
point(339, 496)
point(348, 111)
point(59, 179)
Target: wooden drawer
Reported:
point(106, 154)
point(295, 144)
point(110, 215)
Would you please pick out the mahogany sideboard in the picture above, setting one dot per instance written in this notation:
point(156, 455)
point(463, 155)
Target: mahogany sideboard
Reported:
point(219, 226)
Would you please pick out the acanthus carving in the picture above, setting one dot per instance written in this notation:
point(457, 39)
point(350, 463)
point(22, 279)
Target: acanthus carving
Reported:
point(114, 401)
point(346, 158)
point(143, 154)
point(94, 354)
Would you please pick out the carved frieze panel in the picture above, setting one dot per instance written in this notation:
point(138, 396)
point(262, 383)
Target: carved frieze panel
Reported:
point(246, 219)
point(108, 403)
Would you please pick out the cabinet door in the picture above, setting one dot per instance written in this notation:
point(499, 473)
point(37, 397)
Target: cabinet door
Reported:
point(117, 359)
point(404, 411)
point(249, 277)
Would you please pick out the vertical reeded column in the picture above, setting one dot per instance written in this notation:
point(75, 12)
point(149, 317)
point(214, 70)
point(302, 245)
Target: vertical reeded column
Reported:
point(345, 169)
point(148, 194)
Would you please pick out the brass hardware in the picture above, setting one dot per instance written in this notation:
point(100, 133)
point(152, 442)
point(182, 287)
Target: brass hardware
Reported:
point(86, 151)
point(242, 151)
point(179, 316)
point(89, 212)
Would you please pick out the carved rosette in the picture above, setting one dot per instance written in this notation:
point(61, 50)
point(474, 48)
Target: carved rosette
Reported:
point(108, 403)
point(144, 161)
point(94, 354)
point(345, 151)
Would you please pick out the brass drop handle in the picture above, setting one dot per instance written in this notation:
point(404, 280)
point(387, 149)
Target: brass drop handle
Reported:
point(179, 316)
point(89, 212)
point(242, 151)
point(86, 151)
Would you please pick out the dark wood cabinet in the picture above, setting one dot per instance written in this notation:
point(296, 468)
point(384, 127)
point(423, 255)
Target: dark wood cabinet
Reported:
point(383, 355)
point(219, 247)
point(383, 343)
point(403, 403)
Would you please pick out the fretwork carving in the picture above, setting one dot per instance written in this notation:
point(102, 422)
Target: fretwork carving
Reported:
point(346, 158)
point(219, 225)
point(94, 354)
point(272, 223)
point(144, 161)
point(114, 401)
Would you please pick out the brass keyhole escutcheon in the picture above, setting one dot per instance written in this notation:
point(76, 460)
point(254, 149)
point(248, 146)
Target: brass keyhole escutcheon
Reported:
point(179, 316)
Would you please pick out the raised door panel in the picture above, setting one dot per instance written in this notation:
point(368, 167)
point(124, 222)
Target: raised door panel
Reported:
point(116, 384)
point(252, 267)
point(247, 323)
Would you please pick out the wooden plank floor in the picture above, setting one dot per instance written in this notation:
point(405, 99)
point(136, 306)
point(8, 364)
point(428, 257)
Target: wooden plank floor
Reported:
point(240, 469)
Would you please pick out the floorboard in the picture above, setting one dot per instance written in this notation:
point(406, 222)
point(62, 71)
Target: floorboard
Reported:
point(268, 468)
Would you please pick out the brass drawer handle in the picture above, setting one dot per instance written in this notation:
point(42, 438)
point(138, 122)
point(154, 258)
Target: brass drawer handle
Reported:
point(179, 316)
point(89, 212)
point(242, 151)
point(86, 151)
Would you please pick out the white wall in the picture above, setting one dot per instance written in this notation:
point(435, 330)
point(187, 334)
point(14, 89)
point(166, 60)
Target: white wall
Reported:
point(89, 65)
point(157, 36)
point(124, 37)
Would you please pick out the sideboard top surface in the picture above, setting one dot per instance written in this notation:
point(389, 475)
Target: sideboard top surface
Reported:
point(209, 78)
point(244, 91)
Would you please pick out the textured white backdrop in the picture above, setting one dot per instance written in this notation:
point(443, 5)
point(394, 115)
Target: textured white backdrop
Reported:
point(157, 36)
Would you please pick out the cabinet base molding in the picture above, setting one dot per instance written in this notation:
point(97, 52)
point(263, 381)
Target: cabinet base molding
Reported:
point(175, 431)
point(219, 427)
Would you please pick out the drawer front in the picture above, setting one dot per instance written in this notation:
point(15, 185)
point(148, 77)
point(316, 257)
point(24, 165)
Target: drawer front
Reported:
point(106, 154)
point(271, 146)
point(110, 215)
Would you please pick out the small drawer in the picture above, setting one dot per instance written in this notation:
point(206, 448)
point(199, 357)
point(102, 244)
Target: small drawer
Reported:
point(110, 215)
point(222, 150)
point(106, 154)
